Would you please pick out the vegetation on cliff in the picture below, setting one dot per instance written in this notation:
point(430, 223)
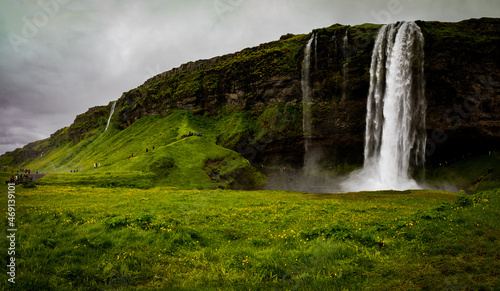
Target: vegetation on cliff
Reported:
point(250, 102)
point(114, 212)
point(165, 150)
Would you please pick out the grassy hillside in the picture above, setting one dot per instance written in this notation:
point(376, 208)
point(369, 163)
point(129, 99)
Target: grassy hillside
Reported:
point(177, 159)
point(82, 238)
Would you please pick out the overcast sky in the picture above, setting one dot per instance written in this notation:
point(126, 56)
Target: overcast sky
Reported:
point(61, 57)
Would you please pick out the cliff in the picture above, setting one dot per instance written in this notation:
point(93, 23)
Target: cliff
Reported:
point(264, 84)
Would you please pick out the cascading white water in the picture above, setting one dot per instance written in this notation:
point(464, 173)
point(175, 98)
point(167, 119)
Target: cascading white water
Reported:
point(309, 157)
point(306, 93)
point(111, 114)
point(395, 121)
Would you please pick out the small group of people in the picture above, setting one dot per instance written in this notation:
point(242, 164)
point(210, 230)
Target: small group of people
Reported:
point(97, 165)
point(20, 178)
point(195, 134)
point(25, 171)
point(73, 171)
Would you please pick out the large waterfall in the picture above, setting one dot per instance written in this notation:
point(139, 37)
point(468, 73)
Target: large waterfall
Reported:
point(111, 114)
point(395, 134)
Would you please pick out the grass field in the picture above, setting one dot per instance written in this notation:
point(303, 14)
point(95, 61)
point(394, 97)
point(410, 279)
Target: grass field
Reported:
point(82, 238)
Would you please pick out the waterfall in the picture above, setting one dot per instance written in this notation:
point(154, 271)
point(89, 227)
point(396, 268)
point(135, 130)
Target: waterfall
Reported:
point(309, 159)
point(306, 92)
point(315, 52)
point(395, 134)
point(345, 43)
point(111, 114)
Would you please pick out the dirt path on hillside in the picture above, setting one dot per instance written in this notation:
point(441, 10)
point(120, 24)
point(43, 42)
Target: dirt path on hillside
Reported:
point(37, 176)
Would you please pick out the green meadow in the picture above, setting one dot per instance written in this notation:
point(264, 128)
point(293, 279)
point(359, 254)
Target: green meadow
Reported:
point(124, 238)
point(166, 218)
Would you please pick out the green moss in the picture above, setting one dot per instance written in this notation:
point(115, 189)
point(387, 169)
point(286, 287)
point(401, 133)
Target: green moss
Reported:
point(281, 121)
point(234, 127)
point(7, 159)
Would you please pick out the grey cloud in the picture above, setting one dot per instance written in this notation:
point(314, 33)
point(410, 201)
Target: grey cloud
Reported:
point(90, 52)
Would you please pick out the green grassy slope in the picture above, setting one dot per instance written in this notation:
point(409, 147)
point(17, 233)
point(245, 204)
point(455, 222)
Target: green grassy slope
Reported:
point(177, 159)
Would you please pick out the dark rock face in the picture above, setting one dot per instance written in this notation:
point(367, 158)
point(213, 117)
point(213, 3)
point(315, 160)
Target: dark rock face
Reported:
point(462, 89)
point(29, 151)
point(84, 123)
point(261, 77)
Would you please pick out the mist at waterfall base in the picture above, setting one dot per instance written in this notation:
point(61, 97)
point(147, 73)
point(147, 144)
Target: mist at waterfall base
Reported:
point(395, 135)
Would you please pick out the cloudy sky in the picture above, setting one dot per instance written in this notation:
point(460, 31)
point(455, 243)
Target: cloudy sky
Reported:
point(61, 57)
